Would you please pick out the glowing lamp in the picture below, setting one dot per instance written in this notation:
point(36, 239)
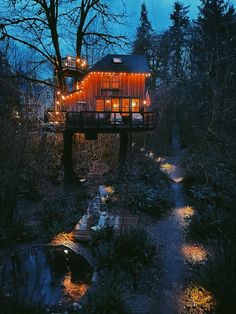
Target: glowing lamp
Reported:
point(66, 251)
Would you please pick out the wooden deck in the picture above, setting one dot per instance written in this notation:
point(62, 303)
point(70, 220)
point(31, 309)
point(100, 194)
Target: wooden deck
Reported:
point(109, 122)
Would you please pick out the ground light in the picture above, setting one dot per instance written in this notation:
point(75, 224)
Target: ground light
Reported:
point(168, 168)
point(184, 214)
point(198, 300)
point(194, 253)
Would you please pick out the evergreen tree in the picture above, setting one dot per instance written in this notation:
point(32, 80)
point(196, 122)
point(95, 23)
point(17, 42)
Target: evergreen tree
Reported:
point(143, 41)
point(178, 32)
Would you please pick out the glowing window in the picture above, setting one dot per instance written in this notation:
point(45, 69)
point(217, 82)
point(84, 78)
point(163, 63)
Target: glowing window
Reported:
point(115, 83)
point(117, 60)
point(100, 104)
point(115, 104)
point(135, 103)
point(108, 105)
point(106, 81)
point(125, 104)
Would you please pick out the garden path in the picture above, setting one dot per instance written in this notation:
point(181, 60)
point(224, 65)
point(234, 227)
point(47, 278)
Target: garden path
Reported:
point(168, 234)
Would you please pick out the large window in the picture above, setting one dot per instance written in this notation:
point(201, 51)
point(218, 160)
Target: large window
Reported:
point(135, 104)
point(115, 104)
point(115, 81)
point(100, 104)
point(111, 81)
point(106, 81)
point(125, 104)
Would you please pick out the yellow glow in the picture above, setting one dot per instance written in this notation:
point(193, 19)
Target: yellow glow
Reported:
point(185, 212)
point(144, 102)
point(74, 290)
point(58, 93)
point(194, 253)
point(199, 299)
point(109, 189)
point(168, 167)
point(61, 238)
point(57, 112)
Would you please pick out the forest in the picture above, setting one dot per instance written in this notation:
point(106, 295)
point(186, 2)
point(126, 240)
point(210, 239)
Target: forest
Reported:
point(175, 193)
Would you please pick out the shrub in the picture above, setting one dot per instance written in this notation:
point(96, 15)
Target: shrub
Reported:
point(105, 298)
point(17, 232)
point(132, 250)
point(149, 200)
point(56, 216)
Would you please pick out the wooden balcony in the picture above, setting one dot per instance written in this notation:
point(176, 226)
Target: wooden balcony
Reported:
point(73, 66)
point(109, 122)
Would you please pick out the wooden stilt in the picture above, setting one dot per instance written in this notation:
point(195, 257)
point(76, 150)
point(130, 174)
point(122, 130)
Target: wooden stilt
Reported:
point(124, 140)
point(67, 156)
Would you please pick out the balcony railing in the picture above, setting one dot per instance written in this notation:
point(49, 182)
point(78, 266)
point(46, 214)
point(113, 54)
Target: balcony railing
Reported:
point(74, 64)
point(85, 120)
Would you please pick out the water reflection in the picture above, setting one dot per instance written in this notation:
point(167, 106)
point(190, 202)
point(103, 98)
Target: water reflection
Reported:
point(45, 276)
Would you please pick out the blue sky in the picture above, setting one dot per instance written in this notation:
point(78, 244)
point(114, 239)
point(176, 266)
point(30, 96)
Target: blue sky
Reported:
point(158, 12)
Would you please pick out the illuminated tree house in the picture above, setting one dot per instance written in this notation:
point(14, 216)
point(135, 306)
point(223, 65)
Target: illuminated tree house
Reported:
point(110, 97)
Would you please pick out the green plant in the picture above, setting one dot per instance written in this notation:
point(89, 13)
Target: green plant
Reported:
point(104, 298)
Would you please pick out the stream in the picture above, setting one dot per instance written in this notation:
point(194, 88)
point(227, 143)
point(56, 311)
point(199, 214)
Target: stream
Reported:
point(44, 276)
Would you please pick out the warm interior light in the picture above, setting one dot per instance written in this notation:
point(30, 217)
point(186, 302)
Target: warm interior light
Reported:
point(57, 112)
point(144, 102)
point(58, 93)
point(69, 58)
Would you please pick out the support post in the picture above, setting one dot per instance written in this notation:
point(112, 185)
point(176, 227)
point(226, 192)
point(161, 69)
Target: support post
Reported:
point(124, 140)
point(67, 156)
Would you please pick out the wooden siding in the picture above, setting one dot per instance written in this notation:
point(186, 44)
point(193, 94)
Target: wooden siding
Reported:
point(131, 86)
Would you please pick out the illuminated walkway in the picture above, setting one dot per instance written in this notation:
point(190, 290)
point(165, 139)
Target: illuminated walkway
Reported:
point(169, 234)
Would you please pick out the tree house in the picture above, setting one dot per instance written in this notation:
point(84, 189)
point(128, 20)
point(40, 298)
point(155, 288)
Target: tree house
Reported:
point(109, 97)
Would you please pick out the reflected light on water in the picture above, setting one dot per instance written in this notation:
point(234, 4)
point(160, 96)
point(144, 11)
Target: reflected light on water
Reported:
point(168, 168)
point(194, 253)
point(74, 290)
point(198, 300)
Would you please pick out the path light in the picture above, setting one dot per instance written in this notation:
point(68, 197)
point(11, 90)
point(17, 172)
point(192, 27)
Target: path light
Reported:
point(194, 253)
point(198, 299)
point(168, 167)
point(185, 213)
point(178, 179)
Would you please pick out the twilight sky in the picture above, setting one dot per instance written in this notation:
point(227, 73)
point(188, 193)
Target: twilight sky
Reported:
point(158, 12)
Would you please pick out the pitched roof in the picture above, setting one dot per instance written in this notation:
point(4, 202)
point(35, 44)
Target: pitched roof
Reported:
point(122, 63)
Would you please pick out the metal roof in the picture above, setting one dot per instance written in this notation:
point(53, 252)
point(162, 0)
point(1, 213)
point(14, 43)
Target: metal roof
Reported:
point(128, 64)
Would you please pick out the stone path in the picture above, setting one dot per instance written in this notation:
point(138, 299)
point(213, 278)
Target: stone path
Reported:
point(168, 233)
